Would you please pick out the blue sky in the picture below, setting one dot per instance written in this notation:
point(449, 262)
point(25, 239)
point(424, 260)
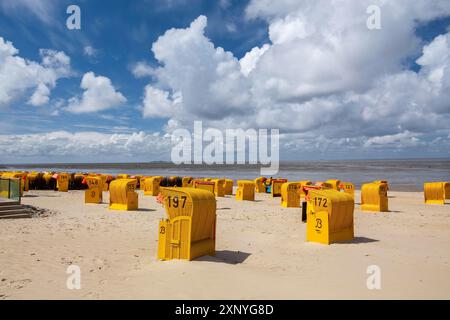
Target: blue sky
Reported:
point(121, 33)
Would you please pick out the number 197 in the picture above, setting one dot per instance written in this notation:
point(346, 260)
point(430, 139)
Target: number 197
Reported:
point(175, 202)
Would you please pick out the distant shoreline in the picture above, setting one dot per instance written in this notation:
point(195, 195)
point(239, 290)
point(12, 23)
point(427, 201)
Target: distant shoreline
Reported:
point(402, 174)
point(165, 163)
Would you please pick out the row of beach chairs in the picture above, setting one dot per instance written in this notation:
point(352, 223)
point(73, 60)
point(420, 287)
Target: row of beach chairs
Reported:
point(190, 203)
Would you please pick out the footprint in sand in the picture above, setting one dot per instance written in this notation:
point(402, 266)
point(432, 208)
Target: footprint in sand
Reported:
point(92, 295)
point(19, 284)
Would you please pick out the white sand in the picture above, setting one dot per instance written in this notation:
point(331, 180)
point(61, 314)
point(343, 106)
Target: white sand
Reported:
point(261, 253)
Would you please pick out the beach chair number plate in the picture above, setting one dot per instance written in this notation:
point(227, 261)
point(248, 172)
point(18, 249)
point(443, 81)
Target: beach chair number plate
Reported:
point(321, 202)
point(175, 201)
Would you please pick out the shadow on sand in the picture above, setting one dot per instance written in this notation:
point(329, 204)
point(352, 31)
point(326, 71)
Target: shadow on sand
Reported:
point(143, 210)
point(226, 256)
point(40, 196)
point(358, 240)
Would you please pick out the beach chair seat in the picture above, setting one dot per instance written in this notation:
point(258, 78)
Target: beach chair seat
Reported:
point(205, 185)
point(304, 183)
point(138, 179)
point(106, 179)
point(94, 193)
point(290, 195)
point(77, 182)
point(186, 182)
point(374, 197)
point(33, 178)
point(103, 181)
point(174, 181)
point(228, 186)
point(190, 230)
point(152, 185)
point(334, 183)
point(348, 188)
point(62, 182)
point(447, 190)
point(275, 189)
point(219, 189)
point(122, 195)
point(142, 181)
point(434, 192)
point(324, 185)
point(259, 185)
point(39, 183)
point(49, 181)
point(385, 182)
point(245, 190)
point(329, 216)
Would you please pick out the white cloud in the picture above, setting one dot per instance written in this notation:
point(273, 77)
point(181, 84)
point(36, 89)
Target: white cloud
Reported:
point(19, 76)
point(330, 84)
point(324, 75)
point(90, 51)
point(208, 78)
point(99, 95)
point(40, 96)
point(142, 69)
point(324, 48)
point(157, 103)
point(405, 137)
point(251, 58)
point(80, 145)
point(288, 29)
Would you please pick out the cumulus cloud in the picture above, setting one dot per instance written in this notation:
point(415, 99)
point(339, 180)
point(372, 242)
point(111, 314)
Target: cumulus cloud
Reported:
point(251, 58)
point(324, 76)
point(208, 79)
point(99, 95)
point(19, 77)
point(324, 79)
point(158, 103)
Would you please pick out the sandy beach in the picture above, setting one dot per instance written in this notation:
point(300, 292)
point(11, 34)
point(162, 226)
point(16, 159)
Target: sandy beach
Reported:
point(261, 253)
